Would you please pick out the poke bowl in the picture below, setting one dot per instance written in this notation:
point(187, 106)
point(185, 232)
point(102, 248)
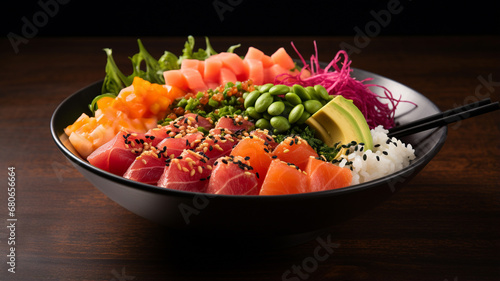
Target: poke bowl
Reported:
point(280, 215)
point(253, 216)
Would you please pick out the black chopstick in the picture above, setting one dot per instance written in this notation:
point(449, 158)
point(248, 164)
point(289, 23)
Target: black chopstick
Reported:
point(444, 118)
point(441, 115)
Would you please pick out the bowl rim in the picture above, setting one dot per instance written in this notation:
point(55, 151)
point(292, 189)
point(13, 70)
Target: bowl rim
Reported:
point(422, 160)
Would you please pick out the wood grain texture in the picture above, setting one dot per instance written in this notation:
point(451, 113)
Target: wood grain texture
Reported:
point(444, 225)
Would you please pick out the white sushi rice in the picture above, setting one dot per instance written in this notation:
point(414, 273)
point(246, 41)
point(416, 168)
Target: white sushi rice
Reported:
point(389, 155)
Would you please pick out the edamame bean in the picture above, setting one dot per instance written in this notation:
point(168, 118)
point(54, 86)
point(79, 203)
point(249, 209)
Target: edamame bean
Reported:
point(265, 88)
point(301, 92)
point(267, 115)
point(251, 98)
point(310, 90)
point(276, 108)
point(288, 108)
point(293, 98)
point(277, 90)
point(263, 102)
point(312, 106)
point(280, 123)
point(263, 123)
point(253, 113)
point(322, 92)
point(296, 113)
point(304, 117)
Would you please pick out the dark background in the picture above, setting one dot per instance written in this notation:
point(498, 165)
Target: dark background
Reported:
point(249, 18)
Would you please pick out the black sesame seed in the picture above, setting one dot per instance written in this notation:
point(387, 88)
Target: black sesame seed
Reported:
point(385, 152)
point(378, 158)
point(364, 157)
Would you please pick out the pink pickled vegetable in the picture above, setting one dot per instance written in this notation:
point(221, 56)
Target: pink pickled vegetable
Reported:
point(338, 81)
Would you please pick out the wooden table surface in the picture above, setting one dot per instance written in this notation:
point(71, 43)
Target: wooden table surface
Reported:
point(444, 225)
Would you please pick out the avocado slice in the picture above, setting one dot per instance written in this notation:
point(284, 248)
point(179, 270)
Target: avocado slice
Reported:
point(340, 121)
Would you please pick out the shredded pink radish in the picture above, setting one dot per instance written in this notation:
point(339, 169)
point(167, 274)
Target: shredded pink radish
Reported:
point(338, 81)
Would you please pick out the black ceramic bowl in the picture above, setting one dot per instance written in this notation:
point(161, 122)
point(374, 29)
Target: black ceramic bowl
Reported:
point(284, 215)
